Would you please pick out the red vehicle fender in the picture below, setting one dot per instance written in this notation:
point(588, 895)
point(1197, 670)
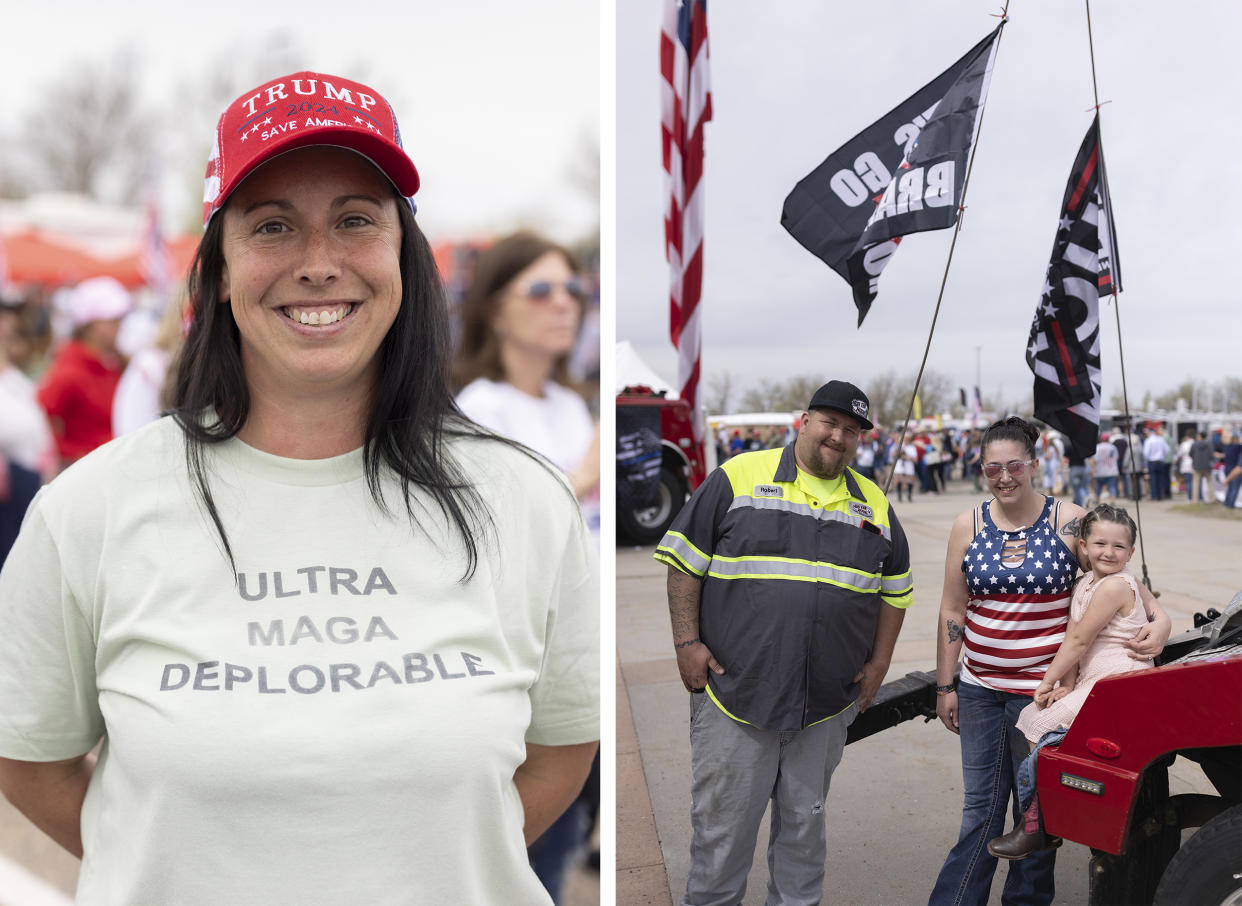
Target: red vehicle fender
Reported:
point(1088, 785)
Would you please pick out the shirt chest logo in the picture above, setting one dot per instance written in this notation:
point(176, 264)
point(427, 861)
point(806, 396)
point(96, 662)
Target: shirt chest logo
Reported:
point(769, 490)
point(861, 509)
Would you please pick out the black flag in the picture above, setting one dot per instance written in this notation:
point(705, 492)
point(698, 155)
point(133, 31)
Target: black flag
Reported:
point(1064, 346)
point(902, 174)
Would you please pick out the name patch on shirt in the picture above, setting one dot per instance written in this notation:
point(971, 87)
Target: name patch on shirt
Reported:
point(769, 490)
point(861, 509)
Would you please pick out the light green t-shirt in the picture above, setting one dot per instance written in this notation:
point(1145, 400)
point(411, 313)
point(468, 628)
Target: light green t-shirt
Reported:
point(339, 726)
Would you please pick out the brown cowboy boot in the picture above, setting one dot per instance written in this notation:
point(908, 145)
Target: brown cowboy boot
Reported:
point(1027, 836)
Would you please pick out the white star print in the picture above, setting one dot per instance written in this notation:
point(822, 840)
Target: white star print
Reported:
point(994, 580)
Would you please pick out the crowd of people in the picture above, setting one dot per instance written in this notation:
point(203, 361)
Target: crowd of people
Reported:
point(1205, 465)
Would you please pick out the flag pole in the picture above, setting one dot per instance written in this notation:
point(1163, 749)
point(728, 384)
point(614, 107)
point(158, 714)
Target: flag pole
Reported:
point(957, 228)
point(1121, 356)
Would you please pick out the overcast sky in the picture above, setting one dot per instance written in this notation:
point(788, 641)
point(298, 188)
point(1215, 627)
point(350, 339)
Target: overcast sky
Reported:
point(495, 99)
point(795, 81)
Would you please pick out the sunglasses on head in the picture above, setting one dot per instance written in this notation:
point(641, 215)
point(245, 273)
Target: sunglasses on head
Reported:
point(542, 290)
point(1015, 467)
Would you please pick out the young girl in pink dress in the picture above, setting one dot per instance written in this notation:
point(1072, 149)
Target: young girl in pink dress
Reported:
point(1105, 613)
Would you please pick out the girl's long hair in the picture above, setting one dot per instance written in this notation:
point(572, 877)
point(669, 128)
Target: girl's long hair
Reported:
point(412, 411)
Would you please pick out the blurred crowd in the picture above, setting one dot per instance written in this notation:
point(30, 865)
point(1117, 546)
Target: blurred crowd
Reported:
point(1201, 465)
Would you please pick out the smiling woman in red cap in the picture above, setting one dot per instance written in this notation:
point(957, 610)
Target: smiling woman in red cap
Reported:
point(340, 645)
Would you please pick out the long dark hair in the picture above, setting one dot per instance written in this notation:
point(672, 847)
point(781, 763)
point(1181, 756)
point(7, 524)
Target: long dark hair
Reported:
point(412, 411)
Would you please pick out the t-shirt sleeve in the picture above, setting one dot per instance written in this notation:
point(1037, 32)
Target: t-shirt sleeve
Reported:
point(565, 697)
point(896, 580)
point(49, 704)
point(691, 539)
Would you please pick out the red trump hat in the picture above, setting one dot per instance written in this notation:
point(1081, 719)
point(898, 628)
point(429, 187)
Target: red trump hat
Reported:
point(297, 111)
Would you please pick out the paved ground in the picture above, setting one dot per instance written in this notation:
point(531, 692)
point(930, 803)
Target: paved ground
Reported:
point(894, 808)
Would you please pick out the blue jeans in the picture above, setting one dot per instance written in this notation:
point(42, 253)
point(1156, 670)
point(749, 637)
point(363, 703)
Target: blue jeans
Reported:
point(1231, 492)
point(1080, 481)
point(1109, 482)
point(557, 849)
point(992, 750)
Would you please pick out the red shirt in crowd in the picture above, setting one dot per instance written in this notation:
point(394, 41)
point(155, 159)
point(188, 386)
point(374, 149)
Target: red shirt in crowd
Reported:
point(77, 395)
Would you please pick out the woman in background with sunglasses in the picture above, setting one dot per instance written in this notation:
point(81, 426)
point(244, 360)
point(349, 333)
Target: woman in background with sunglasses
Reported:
point(520, 322)
point(1009, 573)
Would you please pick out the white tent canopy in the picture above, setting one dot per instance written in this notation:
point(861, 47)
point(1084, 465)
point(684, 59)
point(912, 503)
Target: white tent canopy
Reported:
point(633, 371)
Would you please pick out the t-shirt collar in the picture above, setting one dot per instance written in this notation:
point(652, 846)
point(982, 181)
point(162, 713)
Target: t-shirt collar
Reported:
point(787, 470)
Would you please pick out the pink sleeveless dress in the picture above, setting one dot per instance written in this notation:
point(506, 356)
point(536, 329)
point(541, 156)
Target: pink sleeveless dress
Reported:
point(1106, 656)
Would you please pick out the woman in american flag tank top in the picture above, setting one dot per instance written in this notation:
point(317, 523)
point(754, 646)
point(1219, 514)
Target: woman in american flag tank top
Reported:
point(1009, 573)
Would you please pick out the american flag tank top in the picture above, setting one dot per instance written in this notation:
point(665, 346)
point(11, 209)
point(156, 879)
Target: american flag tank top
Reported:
point(1019, 585)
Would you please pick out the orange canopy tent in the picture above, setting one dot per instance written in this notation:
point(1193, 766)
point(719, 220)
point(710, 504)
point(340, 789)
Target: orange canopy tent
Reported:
point(37, 257)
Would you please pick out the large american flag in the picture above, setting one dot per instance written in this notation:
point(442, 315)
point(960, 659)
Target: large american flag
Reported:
point(686, 105)
point(1064, 345)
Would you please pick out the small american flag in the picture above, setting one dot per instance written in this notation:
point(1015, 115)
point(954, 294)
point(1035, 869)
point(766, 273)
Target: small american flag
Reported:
point(686, 105)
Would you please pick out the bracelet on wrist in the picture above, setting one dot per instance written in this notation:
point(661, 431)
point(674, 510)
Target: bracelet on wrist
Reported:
point(686, 644)
point(945, 690)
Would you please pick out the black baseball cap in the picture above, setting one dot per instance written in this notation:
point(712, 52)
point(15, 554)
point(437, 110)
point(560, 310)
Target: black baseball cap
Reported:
point(842, 396)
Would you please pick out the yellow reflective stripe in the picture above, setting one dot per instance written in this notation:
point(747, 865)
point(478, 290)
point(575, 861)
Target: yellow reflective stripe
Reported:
point(831, 716)
point(901, 602)
point(676, 550)
point(837, 511)
point(898, 584)
point(712, 696)
point(796, 570)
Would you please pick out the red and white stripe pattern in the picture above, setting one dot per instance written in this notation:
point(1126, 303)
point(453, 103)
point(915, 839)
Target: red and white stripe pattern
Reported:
point(686, 105)
point(1011, 639)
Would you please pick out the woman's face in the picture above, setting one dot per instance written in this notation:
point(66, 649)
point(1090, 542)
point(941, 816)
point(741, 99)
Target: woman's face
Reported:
point(535, 313)
point(1007, 487)
point(311, 244)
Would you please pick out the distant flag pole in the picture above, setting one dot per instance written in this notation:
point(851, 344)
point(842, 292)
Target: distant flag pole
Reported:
point(154, 261)
point(1114, 287)
point(4, 269)
point(686, 105)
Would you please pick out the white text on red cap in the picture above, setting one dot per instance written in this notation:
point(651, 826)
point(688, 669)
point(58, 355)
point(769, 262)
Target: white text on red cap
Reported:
point(277, 92)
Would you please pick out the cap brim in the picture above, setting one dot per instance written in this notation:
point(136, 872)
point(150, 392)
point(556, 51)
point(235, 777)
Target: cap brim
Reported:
point(389, 159)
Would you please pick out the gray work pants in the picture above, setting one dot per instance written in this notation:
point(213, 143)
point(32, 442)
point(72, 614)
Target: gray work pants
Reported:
point(736, 770)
